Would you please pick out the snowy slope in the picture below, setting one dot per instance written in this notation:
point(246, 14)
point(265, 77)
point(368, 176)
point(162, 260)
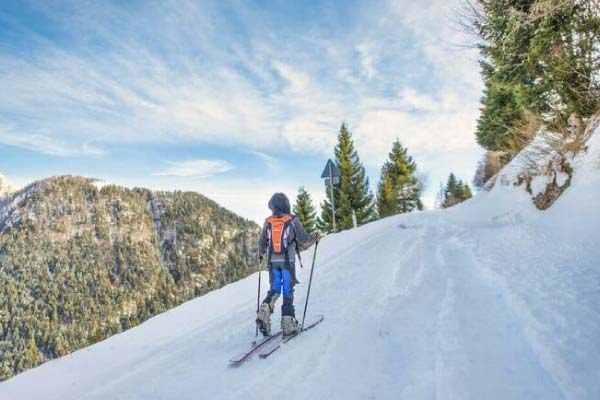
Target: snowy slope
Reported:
point(491, 299)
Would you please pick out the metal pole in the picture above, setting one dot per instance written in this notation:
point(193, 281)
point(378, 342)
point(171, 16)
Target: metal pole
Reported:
point(312, 267)
point(258, 296)
point(332, 197)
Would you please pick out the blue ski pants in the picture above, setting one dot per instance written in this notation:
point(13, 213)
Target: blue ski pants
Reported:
point(282, 282)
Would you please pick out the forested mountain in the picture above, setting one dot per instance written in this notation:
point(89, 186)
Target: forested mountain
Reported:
point(80, 262)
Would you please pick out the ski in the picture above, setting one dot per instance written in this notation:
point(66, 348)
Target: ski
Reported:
point(272, 350)
point(236, 361)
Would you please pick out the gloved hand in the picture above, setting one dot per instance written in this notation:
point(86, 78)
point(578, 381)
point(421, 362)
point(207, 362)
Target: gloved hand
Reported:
point(317, 237)
point(260, 258)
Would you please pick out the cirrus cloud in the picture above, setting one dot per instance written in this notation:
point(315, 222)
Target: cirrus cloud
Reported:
point(196, 168)
point(253, 78)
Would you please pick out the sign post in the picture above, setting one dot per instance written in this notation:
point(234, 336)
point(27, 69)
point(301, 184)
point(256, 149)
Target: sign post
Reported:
point(331, 173)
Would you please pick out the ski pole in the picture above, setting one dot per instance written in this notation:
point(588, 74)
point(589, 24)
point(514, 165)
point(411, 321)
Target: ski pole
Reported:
point(312, 267)
point(258, 295)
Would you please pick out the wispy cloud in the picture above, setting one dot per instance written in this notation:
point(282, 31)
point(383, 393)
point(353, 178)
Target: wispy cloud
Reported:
point(239, 77)
point(46, 144)
point(196, 168)
point(257, 93)
point(273, 163)
point(367, 60)
point(297, 81)
point(411, 99)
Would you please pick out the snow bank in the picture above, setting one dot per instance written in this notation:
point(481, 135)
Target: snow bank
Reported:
point(572, 211)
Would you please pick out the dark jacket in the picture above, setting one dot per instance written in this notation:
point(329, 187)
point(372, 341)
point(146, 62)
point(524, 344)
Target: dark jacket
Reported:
point(298, 234)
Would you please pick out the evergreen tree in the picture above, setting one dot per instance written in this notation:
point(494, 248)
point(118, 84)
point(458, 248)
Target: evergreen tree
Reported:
point(450, 190)
point(540, 63)
point(466, 191)
point(398, 191)
point(353, 193)
point(501, 115)
point(456, 191)
point(505, 74)
point(563, 56)
point(305, 211)
point(33, 357)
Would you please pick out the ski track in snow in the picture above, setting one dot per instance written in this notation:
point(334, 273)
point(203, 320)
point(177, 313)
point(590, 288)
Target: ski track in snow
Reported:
point(487, 300)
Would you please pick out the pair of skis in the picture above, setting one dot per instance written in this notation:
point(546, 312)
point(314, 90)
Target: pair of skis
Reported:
point(267, 351)
point(259, 345)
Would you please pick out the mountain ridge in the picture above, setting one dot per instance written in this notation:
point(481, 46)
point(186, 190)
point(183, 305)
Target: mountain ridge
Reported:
point(127, 254)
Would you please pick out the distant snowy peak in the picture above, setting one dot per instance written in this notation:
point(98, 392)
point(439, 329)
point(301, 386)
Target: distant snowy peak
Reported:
point(6, 186)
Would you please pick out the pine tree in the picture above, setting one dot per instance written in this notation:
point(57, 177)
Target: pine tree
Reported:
point(398, 191)
point(450, 191)
point(456, 191)
point(33, 356)
point(466, 192)
point(539, 63)
point(353, 193)
point(505, 74)
point(563, 54)
point(501, 114)
point(305, 211)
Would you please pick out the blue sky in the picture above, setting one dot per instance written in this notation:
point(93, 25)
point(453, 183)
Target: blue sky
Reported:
point(236, 99)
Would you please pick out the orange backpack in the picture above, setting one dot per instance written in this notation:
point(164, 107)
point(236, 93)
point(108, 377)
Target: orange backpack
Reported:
point(278, 233)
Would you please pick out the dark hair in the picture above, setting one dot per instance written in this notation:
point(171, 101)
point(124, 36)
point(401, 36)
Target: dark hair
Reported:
point(279, 204)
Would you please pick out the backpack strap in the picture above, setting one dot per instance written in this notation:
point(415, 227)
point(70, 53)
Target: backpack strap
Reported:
point(295, 243)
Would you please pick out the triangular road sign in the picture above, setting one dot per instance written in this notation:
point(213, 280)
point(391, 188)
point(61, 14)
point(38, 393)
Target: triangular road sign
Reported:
point(335, 171)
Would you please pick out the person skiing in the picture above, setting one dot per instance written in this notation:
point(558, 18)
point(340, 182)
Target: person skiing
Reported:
point(281, 234)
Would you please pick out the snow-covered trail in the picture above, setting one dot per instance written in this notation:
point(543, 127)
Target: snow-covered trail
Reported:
point(425, 306)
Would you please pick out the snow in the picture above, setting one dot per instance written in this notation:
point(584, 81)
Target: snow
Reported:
point(100, 183)
point(10, 214)
point(561, 178)
point(490, 299)
point(6, 186)
point(539, 183)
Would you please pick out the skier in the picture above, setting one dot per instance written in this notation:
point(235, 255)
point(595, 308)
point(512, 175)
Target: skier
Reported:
point(281, 234)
